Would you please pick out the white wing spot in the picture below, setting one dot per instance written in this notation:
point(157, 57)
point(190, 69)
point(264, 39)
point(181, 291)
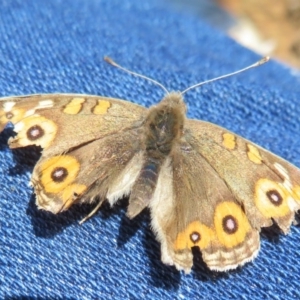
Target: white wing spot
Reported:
point(29, 112)
point(19, 126)
point(45, 104)
point(282, 170)
point(7, 106)
point(287, 181)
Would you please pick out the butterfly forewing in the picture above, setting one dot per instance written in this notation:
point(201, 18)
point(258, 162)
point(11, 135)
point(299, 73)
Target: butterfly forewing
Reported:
point(59, 123)
point(86, 146)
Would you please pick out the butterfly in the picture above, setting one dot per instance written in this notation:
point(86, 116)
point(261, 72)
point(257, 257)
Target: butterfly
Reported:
point(205, 186)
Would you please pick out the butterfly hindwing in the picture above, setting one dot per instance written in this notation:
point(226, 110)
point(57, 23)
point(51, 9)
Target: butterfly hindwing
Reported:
point(205, 214)
point(104, 169)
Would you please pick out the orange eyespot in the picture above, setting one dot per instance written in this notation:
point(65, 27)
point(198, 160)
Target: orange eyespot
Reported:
point(14, 116)
point(35, 130)
point(196, 234)
point(58, 172)
point(271, 198)
point(231, 224)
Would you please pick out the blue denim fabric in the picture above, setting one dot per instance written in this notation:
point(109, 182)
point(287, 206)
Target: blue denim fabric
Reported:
point(58, 46)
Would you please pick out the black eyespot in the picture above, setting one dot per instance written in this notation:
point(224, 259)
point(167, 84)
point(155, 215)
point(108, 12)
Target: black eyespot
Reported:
point(35, 132)
point(195, 237)
point(230, 224)
point(274, 197)
point(59, 174)
point(9, 115)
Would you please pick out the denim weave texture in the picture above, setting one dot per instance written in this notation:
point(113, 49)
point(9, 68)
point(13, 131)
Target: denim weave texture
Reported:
point(58, 46)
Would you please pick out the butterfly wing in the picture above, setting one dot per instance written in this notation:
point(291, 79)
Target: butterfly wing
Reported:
point(60, 122)
point(90, 145)
point(218, 191)
point(265, 184)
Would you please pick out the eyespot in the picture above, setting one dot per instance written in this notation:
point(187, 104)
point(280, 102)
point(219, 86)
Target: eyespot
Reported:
point(196, 234)
point(58, 172)
point(35, 132)
point(271, 198)
point(14, 116)
point(274, 197)
point(231, 224)
point(195, 237)
point(9, 115)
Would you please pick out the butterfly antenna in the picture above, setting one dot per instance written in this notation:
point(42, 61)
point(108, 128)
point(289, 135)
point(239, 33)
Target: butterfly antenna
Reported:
point(257, 64)
point(113, 63)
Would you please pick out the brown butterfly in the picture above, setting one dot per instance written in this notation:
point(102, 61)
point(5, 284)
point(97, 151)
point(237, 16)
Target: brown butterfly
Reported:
point(204, 186)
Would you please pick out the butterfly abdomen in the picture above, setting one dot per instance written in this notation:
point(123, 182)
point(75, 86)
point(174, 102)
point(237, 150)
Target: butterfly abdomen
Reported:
point(144, 187)
point(150, 171)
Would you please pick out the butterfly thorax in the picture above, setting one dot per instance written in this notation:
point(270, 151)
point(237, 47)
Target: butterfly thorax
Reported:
point(164, 125)
point(163, 128)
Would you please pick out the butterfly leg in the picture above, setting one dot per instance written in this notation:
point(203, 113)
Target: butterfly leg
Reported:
point(92, 212)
